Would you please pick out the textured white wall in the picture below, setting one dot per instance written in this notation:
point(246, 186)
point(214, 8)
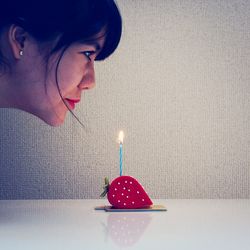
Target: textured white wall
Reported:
point(179, 87)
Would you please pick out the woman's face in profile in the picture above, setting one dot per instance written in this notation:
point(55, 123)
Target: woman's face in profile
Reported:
point(75, 73)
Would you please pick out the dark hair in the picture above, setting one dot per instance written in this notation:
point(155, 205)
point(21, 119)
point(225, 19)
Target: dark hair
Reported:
point(71, 20)
point(75, 20)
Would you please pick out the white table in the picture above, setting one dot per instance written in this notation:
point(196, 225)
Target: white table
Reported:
point(74, 224)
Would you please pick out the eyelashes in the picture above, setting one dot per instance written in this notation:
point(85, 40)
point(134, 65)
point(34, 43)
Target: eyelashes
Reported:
point(88, 54)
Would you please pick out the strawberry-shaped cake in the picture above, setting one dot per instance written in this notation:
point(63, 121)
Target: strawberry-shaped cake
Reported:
point(126, 192)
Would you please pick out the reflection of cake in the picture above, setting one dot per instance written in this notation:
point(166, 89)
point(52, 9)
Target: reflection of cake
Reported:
point(126, 192)
point(125, 230)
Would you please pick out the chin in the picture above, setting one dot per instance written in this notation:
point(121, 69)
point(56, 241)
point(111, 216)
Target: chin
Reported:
point(54, 124)
point(53, 121)
point(49, 118)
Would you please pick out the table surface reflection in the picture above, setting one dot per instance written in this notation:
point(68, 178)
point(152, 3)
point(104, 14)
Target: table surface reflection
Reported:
point(74, 224)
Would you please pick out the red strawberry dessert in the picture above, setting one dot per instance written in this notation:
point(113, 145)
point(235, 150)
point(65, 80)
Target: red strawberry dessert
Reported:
point(126, 192)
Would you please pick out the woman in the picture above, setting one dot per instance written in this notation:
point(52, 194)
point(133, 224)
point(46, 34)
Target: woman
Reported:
point(47, 52)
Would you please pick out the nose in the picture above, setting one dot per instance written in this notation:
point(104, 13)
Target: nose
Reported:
point(88, 79)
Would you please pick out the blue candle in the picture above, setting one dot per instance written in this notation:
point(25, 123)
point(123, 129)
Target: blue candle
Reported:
point(120, 159)
point(121, 135)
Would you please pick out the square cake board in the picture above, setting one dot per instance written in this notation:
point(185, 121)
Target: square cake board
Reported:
point(159, 208)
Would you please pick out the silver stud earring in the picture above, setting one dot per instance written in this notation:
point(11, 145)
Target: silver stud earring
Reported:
point(21, 52)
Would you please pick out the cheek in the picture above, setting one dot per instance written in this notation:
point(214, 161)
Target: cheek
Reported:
point(69, 78)
point(55, 81)
point(71, 70)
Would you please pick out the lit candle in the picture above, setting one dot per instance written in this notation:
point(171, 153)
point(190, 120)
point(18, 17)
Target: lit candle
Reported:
point(120, 140)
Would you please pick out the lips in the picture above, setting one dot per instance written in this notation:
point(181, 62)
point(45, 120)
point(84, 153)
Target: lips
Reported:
point(72, 102)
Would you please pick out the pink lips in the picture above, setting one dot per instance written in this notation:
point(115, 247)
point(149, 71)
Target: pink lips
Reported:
point(72, 102)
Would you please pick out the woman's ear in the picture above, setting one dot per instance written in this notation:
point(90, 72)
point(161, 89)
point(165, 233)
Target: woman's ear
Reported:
point(17, 36)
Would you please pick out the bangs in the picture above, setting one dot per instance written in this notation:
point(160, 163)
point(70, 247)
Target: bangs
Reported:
point(113, 31)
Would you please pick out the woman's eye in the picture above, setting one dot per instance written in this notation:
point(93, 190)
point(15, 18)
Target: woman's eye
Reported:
point(88, 54)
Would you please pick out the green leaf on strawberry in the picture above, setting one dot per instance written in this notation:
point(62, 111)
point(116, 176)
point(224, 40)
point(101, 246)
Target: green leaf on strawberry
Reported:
point(105, 187)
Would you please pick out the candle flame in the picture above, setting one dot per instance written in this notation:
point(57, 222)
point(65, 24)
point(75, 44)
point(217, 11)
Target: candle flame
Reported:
point(121, 136)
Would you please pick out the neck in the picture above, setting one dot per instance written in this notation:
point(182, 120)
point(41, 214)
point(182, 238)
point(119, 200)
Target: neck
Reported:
point(8, 98)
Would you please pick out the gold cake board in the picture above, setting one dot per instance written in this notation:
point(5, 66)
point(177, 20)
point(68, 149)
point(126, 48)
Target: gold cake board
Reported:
point(147, 209)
